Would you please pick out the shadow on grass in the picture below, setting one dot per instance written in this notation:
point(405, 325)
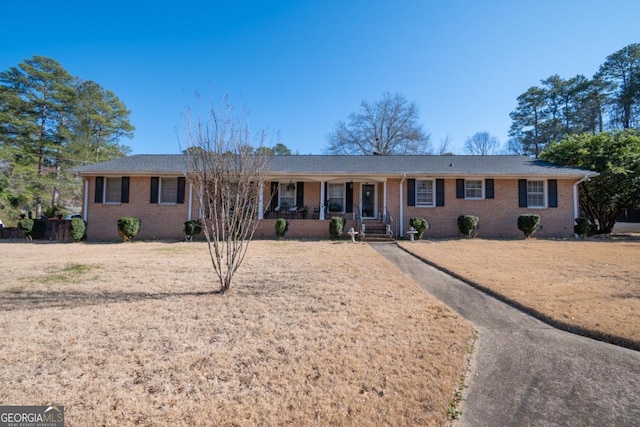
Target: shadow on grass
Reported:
point(12, 301)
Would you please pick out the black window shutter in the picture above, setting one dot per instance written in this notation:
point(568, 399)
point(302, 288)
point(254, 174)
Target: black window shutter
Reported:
point(181, 187)
point(300, 194)
point(99, 189)
point(488, 189)
point(274, 194)
point(124, 194)
point(553, 193)
point(411, 192)
point(459, 188)
point(348, 208)
point(522, 193)
point(153, 193)
point(439, 192)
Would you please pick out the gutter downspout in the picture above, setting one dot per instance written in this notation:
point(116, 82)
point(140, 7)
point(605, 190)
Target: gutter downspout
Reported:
point(576, 205)
point(85, 200)
point(401, 219)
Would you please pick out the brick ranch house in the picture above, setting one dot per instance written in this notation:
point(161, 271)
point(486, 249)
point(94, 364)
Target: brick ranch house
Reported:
point(373, 189)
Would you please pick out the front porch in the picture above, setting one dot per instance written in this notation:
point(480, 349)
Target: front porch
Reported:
point(320, 199)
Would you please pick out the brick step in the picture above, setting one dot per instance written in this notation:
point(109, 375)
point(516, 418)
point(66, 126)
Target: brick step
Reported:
point(375, 231)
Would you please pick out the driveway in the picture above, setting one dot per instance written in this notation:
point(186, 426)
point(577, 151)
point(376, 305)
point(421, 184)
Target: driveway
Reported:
point(527, 373)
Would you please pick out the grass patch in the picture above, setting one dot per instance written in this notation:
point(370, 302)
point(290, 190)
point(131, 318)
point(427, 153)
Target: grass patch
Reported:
point(71, 273)
point(590, 285)
point(312, 333)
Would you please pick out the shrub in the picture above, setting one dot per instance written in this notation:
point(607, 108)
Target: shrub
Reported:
point(336, 226)
point(128, 227)
point(528, 224)
point(282, 225)
point(467, 224)
point(420, 224)
point(582, 227)
point(192, 228)
point(78, 229)
point(26, 226)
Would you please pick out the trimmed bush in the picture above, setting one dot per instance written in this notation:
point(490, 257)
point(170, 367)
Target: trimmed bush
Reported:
point(420, 224)
point(467, 224)
point(282, 225)
point(192, 228)
point(78, 229)
point(128, 227)
point(336, 226)
point(582, 227)
point(26, 226)
point(528, 224)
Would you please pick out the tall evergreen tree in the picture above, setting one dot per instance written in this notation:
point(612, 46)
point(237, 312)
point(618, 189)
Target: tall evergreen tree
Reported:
point(50, 120)
point(622, 71)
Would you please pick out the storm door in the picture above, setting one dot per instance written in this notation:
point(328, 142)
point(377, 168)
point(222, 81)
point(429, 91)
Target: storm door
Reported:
point(369, 201)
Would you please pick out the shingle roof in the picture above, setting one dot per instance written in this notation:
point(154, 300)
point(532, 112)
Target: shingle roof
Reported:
point(323, 165)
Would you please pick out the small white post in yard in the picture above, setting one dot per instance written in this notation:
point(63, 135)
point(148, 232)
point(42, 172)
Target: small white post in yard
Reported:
point(412, 232)
point(353, 234)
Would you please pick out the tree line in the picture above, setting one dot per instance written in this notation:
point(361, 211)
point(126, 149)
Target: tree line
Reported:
point(560, 107)
point(51, 121)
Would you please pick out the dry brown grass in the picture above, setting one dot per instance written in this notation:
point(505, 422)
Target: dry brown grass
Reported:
point(592, 285)
point(314, 333)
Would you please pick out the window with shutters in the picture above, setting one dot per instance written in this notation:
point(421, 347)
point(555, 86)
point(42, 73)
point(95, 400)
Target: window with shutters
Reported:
point(168, 190)
point(336, 198)
point(473, 189)
point(425, 194)
point(287, 194)
point(535, 194)
point(113, 190)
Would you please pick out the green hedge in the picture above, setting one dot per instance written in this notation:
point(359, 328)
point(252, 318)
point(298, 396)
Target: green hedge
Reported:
point(336, 227)
point(78, 229)
point(420, 224)
point(128, 227)
point(282, 225)
point(467, 224)
point(528, 224)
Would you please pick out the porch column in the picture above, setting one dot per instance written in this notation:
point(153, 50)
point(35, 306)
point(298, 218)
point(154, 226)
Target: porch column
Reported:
point(261, 202)
point(384, 199)
point(322, 198)
point(190, 213)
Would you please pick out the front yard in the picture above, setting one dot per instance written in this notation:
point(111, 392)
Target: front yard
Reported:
point(314, 333)
point(591, 285)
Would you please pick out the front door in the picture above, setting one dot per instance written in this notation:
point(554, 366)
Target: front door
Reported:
point(369, 201)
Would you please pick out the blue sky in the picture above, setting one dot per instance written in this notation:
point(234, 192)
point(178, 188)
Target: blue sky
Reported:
point(298, 67)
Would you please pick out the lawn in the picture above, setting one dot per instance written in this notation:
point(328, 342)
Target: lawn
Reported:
point(590, 285)
point(313, 333)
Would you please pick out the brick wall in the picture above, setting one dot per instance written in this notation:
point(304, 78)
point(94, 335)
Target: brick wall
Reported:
point(497, 217)
point(159, 221)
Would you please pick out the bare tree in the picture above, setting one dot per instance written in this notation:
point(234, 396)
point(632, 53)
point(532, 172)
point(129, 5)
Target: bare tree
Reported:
point(482, 144)
point(388, 126)
point(229, 179)
point(444, 149)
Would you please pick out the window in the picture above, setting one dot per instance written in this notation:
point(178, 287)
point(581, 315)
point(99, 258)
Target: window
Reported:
point(473, 189)
point(113, 190)
point(424, 193)
point(335, 197)
point(287, 195)
point(535, 194)
point(168, 190)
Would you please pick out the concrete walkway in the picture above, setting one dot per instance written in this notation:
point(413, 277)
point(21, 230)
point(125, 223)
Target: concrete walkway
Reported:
point(526, 373)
